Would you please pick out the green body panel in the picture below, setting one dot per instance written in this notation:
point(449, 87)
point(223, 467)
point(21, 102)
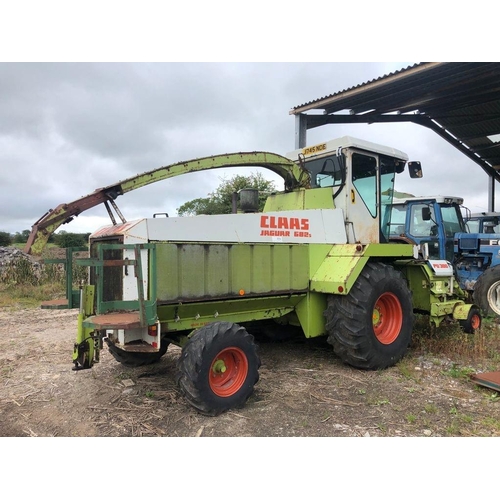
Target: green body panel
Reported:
point(438, 296)
point(310, 312)
point(303, 199)
point(186, 317)
point(203, 272)
point(339, 269)
point(86, 348)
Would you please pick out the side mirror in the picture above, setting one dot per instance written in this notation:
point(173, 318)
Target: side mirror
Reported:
point(426, 213)
point(415, 169)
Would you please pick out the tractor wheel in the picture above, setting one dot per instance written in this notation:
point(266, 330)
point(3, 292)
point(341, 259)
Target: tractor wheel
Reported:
point(136, 359)
point(370, 328)
point(487, 291)
point(473, 321)
point(218, 368)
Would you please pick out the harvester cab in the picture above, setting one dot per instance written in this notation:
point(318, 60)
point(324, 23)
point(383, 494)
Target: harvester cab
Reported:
point(355, 176)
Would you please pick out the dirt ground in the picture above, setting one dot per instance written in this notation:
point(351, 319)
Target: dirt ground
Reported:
point(304, 390)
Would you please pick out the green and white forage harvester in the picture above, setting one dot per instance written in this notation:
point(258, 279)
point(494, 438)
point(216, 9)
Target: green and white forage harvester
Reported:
point(317, 259)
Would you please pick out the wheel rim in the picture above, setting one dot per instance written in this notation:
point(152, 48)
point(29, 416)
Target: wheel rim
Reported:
point(494, 297)
point(228, 372)
point(475, 321)
point(387, 318)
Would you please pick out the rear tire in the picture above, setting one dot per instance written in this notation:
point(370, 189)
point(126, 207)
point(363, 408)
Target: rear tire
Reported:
point(370, 328)
point(218, 368)
point(136, 359)
point(487, 291)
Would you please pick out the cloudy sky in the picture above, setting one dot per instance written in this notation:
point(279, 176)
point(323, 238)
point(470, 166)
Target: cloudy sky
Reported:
point(72, 122)
point(69, 128)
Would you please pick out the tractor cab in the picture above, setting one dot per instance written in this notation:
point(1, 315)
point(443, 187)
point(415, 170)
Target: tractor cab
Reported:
point(430, 222)
point(484, 222)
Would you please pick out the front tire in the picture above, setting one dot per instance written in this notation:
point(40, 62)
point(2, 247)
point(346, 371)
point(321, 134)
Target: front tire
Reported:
point(218, 368)
point(370, 328)
point(487, 291)
point(473, 321)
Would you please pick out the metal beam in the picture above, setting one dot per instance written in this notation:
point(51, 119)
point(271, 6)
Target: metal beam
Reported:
point(312, 121)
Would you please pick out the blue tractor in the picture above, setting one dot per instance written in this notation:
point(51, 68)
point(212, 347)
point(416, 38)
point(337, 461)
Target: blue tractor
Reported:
point(471, 245)
point(477, 260)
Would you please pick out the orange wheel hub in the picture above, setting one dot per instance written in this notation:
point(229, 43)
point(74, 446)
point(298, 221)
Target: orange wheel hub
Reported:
point(475, 322)
point(387, 318)
point(228, 372)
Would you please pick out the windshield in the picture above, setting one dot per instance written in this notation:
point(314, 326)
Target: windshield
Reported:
point(489, 226)
point(452, 220)
point(326, 172)
point(364, 179)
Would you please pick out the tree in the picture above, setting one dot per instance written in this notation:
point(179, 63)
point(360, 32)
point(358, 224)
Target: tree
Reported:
point(65, 240)
point(221, 200)
point(5, 239)
point(21, 237)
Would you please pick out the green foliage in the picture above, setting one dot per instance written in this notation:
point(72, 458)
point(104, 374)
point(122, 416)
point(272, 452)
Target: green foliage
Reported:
point(220, 201)
point(66, 240)
point(5, 239)
point(21, 237)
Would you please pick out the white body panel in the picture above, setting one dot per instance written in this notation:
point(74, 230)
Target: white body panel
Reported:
point(295, 226)
point(441, 267)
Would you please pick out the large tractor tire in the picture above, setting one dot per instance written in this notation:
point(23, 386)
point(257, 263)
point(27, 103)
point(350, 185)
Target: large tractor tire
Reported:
point(136, 359)
point(218, 368)
point(487, 291)
point(370, 328)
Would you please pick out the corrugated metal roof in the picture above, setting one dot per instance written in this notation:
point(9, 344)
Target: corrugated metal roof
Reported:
point(459, 101)
point(321, 99)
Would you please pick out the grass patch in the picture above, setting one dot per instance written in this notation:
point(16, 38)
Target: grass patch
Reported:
point(462, 372)
point(430, 408)
point(448, 340)
point(411, 419)
point(28, 296)
point(491, 423)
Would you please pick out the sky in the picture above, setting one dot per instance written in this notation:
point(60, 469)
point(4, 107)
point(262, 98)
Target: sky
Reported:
point(97, 92)
point(68, 128)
